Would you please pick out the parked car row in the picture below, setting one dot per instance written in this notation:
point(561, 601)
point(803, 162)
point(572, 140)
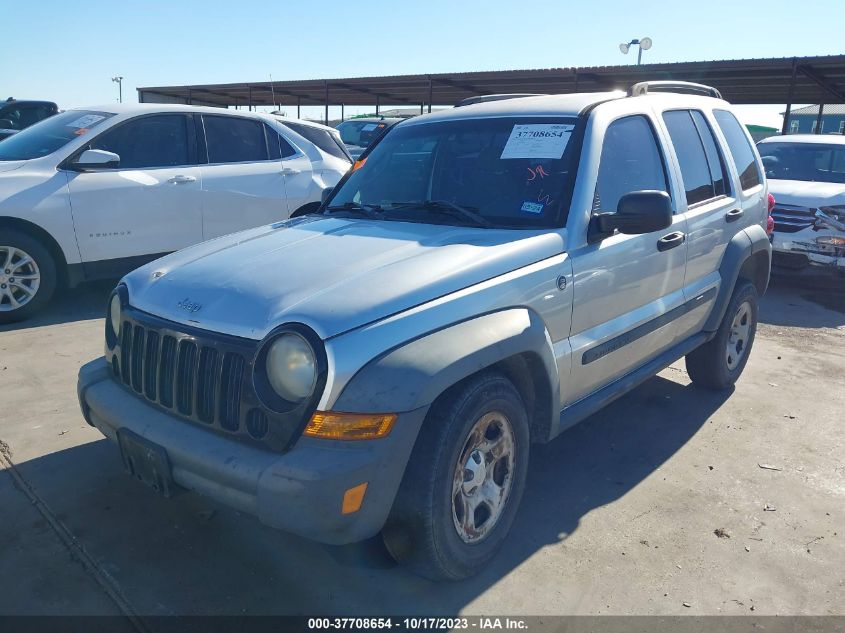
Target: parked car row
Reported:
point(93, 193)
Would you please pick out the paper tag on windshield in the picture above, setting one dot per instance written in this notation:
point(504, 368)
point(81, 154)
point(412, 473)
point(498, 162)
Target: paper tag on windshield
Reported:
point(369, 127)
point(537, 140)
point(86, 121)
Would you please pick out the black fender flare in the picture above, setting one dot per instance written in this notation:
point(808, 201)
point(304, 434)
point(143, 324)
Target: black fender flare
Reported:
point(747, 244)
point(414, 374)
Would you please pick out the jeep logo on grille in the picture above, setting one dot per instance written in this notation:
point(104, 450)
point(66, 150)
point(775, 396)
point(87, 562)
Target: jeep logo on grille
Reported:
point(189, 306)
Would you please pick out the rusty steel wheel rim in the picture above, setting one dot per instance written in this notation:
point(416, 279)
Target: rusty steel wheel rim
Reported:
point(483, 477)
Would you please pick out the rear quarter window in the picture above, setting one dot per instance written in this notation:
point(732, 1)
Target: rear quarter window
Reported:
point(740, 148)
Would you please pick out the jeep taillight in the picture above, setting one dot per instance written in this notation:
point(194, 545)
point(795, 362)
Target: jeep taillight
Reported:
point(770, 221)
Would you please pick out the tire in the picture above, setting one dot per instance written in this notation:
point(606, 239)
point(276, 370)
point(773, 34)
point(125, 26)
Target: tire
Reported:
point(305, 209)
point(719, 363)
point(422, 530)
point(37, 273)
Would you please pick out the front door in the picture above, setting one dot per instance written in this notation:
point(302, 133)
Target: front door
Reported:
point(243, 184)
point(149, 204)
point(625, 285)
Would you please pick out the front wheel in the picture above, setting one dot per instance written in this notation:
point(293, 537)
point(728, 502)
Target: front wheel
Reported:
point(718, 363)
point(463, 483)
point(28, 276)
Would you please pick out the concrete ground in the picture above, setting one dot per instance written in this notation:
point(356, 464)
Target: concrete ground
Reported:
point(619, 517)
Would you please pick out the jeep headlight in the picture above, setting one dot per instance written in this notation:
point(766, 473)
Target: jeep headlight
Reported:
point(114, 313)
point(292, 367)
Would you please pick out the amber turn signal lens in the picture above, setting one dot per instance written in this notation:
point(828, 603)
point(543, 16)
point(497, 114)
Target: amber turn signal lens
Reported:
point(349, 426)
point(353, 498)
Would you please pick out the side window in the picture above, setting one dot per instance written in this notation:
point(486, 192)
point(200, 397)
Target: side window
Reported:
point(630, 161)
point(277, 146)
point(234, 140)
point(160, 140)
point(741, 150)
point(718, 173)
point(692, 159)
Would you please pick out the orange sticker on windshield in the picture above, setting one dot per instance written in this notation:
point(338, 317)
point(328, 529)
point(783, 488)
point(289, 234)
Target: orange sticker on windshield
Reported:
point(81, 131)
point(358, 164)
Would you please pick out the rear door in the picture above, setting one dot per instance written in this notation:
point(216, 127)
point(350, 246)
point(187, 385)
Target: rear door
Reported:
point(709, 206)
point(243, 184)
point(626, 286)
point(150, 203)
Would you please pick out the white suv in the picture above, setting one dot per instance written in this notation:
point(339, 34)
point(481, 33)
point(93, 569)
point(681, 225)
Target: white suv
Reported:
point(95, 192)
point(806, 174)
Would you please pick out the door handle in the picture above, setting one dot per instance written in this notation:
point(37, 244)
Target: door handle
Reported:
point(670, 241)
point(289, 171)
point(733, 215)
point(180, 179)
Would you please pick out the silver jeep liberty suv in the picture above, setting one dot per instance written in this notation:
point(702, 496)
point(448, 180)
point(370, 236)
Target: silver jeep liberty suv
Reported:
point(482, 279)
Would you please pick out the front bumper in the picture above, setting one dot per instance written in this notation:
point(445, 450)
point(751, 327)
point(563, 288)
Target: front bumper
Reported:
point(798, 255)
point(300, 491)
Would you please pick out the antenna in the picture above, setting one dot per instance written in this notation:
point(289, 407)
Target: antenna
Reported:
point(273, 91)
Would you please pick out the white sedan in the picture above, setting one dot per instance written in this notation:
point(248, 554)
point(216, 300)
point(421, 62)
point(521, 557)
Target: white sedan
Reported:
point(93, 193)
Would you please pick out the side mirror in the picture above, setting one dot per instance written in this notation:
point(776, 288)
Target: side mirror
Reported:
point(325, 195)
point(638, 212)
point(6, 124)
point(95, 159)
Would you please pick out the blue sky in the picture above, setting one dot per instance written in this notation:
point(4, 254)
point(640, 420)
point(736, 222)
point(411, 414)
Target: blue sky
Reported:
point(68, 51)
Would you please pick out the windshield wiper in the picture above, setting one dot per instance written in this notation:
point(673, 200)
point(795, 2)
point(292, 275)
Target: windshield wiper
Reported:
point(372, 211)
point(444, 206)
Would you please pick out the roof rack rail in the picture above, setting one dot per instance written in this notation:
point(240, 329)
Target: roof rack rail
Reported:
point(683, 87)
point(498, 97)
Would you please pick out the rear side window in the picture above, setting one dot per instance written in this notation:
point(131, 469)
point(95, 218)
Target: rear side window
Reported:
point(740, 147)
point(692, 159)
point(234, 140)
point(323, 139)
point(630, 161)
point(160, 140)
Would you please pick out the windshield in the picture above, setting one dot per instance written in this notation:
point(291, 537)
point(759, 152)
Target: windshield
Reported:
point(51, 134)
point(502, 172)
point(804, 161)
point(360, 133)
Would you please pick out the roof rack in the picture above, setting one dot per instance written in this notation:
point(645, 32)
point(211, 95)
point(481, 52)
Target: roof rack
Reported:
point(683, 87)
point(499, 97)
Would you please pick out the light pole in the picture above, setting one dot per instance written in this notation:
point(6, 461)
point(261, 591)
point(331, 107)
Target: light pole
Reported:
point(643, 45)
point(119, 80)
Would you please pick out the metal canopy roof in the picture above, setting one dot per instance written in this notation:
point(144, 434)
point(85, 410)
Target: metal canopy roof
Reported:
point(773, 80)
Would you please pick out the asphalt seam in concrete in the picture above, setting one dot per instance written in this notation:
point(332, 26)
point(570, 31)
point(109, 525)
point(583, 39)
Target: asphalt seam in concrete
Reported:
point(76, 549)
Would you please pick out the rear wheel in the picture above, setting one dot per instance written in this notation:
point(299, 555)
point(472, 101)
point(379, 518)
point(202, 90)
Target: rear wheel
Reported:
point(28, 276)
point(718, 363)
point(463, 483)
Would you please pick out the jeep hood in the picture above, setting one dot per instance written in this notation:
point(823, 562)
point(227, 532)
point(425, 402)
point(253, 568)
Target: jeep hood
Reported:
point(332, 274)
point(807, 193)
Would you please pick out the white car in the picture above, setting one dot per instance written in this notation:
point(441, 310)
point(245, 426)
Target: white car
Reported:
point(806, 174)
point(93, 193)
